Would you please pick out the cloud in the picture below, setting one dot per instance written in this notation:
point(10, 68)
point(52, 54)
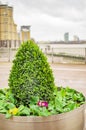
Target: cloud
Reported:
point(51, 18)
point(67, 9)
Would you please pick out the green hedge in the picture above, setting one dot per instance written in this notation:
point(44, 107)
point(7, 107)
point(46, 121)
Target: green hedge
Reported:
point(31, 74)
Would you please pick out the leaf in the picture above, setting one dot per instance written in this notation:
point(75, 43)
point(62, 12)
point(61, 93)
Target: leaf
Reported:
point(8, 115)
point(9, 105)
point(2, 97)
point(34, 100)
point(51, 107)
point(25, 111)
point(4, 111)
point(44, 112)
point(72, 105)
point(63, 92)
point(21, 108)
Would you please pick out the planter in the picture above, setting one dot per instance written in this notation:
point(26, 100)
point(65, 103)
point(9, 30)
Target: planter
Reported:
point(73, 120)
point(32, 91)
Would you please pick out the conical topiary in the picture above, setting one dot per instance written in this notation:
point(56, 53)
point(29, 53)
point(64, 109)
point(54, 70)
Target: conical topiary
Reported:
point(31, 74)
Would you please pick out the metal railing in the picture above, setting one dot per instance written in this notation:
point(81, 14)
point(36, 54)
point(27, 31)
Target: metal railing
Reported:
point(7, 54)
point(66, 55)
point(54, 55)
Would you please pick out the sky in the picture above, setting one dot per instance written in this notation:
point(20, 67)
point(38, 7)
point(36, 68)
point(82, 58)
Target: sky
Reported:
point(50, 19)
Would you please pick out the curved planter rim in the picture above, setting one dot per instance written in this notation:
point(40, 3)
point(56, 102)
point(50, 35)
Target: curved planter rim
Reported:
point(56, 117)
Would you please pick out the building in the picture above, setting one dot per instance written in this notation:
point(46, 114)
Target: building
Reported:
point(25, 33)
point(66, 37)
point(8, 29)
point(9, 37)
point(76, 38)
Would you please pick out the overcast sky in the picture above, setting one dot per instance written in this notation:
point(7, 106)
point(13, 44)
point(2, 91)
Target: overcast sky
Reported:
point(50, 19)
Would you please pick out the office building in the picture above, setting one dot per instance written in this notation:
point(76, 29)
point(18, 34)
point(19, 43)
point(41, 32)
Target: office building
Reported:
point(66, 37)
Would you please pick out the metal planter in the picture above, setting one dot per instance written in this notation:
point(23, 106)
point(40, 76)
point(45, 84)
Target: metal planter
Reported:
point(73, 120)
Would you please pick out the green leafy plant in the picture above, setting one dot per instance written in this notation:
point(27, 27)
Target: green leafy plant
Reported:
point(31, 75)
point(65, 100)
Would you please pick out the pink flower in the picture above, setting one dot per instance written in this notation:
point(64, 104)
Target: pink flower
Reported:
point(42, 103)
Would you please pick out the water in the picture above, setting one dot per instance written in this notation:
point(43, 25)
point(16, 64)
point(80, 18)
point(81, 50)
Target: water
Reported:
point(70, 49)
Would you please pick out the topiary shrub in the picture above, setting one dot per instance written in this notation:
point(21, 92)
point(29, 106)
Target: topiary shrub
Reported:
point(31, 74)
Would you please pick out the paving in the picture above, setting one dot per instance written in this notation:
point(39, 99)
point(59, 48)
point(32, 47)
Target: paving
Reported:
point(70, 75)
point(65, 75)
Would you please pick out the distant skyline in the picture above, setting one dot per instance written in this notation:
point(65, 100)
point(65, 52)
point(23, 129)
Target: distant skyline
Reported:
point(50, 19)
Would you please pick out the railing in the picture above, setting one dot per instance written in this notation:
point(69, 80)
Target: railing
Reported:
point(66, 55)
point(7, 54)
point(55, 55)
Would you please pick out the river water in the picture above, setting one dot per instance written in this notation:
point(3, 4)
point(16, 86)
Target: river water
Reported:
point(70, 49)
